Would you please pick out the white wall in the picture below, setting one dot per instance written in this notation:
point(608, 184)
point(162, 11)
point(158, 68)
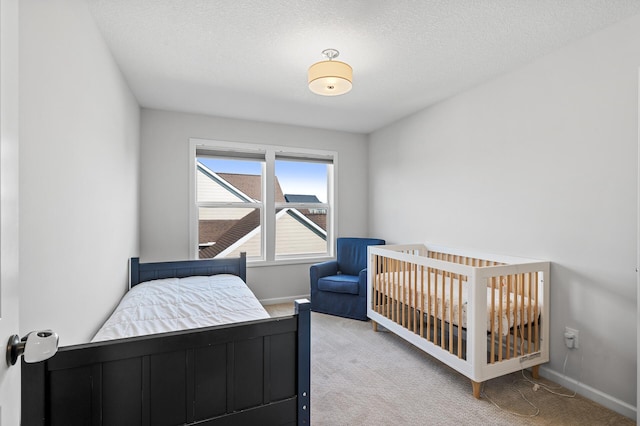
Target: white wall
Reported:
point(79, 152)
point(164, 186)
point(541, 163)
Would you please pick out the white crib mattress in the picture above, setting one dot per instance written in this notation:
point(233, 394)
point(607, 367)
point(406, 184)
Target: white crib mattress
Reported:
point(513, 307)
point(181, 303)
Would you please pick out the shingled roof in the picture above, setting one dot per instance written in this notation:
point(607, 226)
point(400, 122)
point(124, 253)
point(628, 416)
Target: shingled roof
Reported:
point(318, 219)
point(241, 228)
point(251, 185)
point(300, 198)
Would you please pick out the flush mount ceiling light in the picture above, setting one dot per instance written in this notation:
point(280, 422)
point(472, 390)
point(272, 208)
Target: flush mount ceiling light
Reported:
point(330, 78)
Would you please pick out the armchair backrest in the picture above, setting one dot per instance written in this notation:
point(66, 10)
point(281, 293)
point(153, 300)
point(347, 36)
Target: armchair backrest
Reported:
point(352, 253)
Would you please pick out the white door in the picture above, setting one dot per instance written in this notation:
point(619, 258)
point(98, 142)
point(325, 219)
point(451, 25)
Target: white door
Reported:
point(9, 297)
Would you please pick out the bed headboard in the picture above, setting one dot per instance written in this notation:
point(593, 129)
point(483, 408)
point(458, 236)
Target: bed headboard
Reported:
point(141, 272)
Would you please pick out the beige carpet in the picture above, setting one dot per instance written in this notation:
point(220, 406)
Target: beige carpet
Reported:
point(359, 377)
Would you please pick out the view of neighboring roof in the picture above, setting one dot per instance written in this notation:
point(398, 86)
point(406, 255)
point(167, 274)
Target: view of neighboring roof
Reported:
point(319, 219)
point(299, 198)
point(216, 236)
point(250, 185)
point(241, 228)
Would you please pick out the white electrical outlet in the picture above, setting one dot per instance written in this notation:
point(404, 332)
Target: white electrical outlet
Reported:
point(572, 343)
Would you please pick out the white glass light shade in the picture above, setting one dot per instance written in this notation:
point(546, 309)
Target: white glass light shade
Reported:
point(330, 78)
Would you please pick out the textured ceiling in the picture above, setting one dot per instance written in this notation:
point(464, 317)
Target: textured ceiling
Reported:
point(249, 58)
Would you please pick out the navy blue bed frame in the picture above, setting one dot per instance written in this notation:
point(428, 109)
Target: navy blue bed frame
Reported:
point(141, 272)
point(255, 372)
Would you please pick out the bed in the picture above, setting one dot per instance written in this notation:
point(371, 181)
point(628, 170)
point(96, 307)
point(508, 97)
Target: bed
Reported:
point(256, 371)
point(483, 315)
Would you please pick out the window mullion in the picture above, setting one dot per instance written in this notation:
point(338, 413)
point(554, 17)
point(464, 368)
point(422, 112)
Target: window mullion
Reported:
point(269, 210)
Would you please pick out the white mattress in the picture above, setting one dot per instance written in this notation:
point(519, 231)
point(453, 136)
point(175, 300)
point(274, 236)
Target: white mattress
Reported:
point(508, 316)
point(181, 303)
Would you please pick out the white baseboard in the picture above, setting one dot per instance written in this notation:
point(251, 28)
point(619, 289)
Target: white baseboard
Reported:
point(278, 300)
point(593, 394)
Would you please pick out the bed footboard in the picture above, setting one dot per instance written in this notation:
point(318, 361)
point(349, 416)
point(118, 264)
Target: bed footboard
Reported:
point(246, 373)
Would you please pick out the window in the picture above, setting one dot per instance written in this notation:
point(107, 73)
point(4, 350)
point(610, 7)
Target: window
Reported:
point(274, 203)
point(229, 200)
point(301, 212)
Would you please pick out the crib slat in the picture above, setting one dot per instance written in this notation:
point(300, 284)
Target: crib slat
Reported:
point(376, 280)
point(518, 315)
point(518, 307)
point(415, 298)
point(399, 294)
point(529, 309)
point(508, 338)
point(391, 285)
point(442, 315)
point(396, 272)
point(381, 276)
point(429, 303)
point(459, 316)
point(436, 304)
point(421, 313)
point(407, 299)
point(407, 302)
point(451, 302)
point(414, 270)
point(389, 290)
point(399, 291)
point(500, 313)
point(535, 315)
point(401, 298)
point(515, 316)
point(376, 284)
point(388, 287)
point(385, 286)
point(522, 303)
point(492, 314)
point(382, 296)
point(407, 273)
point(436, 307)
point(406, 305)
point(383, 283)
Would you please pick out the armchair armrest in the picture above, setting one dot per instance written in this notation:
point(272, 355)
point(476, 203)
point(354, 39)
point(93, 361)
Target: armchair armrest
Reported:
point(362, 282)
point(323, 269)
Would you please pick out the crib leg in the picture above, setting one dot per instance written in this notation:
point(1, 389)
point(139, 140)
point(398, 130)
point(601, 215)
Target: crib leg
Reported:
point(476, 389)
point(535, 372)
point(375, 325)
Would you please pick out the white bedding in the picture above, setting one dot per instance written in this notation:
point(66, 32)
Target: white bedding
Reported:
point(181, 303)
point(508, 316)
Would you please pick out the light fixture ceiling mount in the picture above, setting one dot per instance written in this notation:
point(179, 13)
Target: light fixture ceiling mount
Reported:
point(330, 78)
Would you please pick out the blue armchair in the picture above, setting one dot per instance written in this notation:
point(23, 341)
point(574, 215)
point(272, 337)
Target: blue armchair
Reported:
point(339, 287)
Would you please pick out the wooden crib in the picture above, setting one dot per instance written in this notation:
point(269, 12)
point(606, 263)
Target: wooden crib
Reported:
point(483, 315)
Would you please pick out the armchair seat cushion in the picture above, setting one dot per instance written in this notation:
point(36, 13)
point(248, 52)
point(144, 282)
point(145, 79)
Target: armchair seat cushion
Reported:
point(339, 284)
